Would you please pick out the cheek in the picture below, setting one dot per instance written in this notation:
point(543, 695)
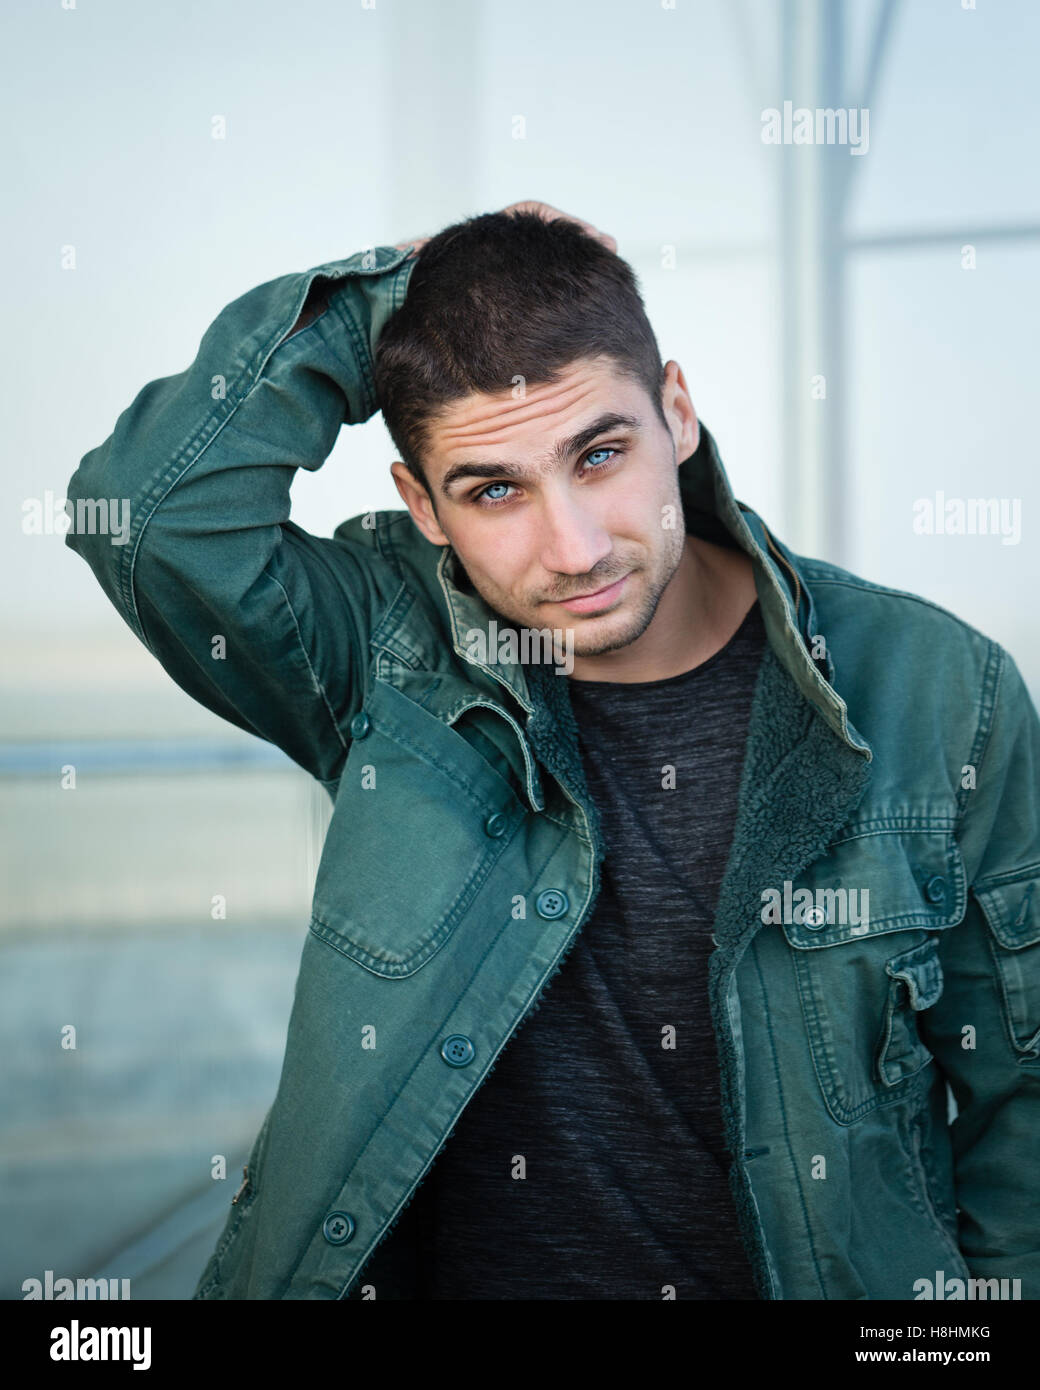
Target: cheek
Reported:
point(638, 520)
point(497, 559)
point(636, 511)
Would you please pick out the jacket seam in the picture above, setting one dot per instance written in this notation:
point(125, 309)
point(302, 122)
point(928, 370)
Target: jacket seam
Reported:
point(252, 368)
point(1007, 879)
point(898, 825)
point(363, 351)
point(319, 687)
point(566, 825)
point(992, 683)
point(820, 577)
point(786, 1131)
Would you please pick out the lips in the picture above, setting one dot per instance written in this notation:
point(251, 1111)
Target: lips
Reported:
point(603, 598)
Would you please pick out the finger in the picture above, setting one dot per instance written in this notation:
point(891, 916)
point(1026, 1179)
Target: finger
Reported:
point(547, 211)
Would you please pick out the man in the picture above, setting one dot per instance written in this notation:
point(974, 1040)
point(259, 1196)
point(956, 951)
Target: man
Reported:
point(672, 879)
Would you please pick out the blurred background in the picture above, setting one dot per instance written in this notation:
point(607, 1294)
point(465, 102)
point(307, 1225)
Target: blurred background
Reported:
point(856, 327)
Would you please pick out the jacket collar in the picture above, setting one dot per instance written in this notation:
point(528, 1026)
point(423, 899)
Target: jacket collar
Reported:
point(712, 512)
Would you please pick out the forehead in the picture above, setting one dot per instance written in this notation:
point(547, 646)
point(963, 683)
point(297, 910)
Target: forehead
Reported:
point(531, 420)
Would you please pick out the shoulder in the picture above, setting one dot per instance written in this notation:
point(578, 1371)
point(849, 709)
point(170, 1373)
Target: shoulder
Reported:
point(903, 648)
point(852, 597)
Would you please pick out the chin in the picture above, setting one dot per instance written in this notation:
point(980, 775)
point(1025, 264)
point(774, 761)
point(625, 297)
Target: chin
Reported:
point(603, 635)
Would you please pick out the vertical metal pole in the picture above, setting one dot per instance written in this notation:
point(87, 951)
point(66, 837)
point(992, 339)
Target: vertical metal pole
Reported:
point(801, 286)
point(832, 417)
point(788, 323)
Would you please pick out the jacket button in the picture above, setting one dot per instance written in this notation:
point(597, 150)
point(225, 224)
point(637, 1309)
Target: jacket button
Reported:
point(337, 1227)
point(496, 825)
point(360, 725)
point(457, 1050)
point(935, 889)
point(815, 919)
point(552, 903)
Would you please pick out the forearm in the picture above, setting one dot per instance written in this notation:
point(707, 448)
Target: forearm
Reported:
point(203, 461)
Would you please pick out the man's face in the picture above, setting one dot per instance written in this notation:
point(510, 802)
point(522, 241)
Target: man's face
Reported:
point(570, 489)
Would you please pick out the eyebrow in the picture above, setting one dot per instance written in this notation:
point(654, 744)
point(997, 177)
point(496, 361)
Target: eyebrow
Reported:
point(563, 450)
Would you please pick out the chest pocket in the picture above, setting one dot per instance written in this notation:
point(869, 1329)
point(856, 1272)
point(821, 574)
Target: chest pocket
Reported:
point(864, 931)
point(420, 820)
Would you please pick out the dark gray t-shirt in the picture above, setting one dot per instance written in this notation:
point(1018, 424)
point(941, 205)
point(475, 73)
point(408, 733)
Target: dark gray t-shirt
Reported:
point(591, 1162)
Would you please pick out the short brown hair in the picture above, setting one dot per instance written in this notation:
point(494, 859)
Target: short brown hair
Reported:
point(499, 296)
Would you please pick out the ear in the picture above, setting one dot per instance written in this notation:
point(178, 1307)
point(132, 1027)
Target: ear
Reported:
point(679, 412)
point(417, 500)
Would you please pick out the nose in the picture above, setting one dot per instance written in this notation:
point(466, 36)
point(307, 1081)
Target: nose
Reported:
point(573, 540)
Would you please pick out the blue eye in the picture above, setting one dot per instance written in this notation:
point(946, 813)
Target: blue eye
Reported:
point(487, 490)
point(604, 450)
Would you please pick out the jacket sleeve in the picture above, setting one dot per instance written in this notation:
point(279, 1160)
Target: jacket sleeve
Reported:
point(255, 618)
point(985, 1029)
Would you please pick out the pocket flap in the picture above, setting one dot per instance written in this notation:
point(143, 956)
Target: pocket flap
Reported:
point(1012, 908)
point(875, 882)
point(922, 973)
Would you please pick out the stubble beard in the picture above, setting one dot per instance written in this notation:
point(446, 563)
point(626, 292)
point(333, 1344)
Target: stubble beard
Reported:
point(593, 645)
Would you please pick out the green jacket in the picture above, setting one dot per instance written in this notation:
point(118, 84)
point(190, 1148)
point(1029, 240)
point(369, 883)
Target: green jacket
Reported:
point(898, 757)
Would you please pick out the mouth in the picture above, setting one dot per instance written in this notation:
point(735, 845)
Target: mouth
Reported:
point(594, 602)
